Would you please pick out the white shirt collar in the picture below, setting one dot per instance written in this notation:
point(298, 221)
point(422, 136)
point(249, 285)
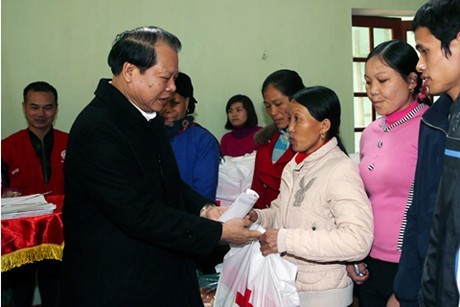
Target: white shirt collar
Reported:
point(148, 116)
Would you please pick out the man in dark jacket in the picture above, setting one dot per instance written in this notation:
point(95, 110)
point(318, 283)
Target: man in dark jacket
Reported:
point(431, 144)
point(131, 225)
point(437, 34)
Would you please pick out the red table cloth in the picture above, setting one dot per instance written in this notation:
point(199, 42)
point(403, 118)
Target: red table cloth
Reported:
point(31, 239)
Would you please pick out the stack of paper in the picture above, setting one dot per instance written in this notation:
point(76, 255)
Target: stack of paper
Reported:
point(25, 206)
point(241, 206)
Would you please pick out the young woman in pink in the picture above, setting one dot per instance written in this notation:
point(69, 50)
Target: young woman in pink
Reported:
point(242, 120)
point(388, 151)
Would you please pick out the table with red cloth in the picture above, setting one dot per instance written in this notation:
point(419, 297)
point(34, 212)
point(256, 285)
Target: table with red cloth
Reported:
point(30, 239)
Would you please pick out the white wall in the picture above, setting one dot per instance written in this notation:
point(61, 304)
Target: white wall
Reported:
point(229, 47)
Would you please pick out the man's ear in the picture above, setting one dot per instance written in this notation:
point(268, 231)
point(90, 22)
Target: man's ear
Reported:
point(457, 39)
point(454, 44)
point(128, 71)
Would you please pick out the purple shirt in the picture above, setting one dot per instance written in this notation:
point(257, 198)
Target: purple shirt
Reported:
point(239, 141)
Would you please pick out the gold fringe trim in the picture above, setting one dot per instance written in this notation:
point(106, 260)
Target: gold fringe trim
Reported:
point(32, 254)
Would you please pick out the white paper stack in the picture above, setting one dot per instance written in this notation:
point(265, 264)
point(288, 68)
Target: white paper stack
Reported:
point(25, 206)
point(241, 206)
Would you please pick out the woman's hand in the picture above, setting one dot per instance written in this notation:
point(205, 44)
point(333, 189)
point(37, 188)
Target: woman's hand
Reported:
point(393, 301)
point(363, 272)
point(253, 216)
point(269, 242)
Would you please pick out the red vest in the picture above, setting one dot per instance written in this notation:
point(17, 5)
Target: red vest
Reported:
point(267, 175)
point(24, 168)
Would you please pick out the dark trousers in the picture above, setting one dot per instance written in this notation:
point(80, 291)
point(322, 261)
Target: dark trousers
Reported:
point(22, 282)
point(376, 291)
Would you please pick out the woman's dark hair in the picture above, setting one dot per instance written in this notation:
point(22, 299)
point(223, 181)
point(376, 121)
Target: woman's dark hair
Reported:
point(322, 103)
point(137, 47)
point(442, 18)
point(252, 120)
point(401, 57)
point(288, 82)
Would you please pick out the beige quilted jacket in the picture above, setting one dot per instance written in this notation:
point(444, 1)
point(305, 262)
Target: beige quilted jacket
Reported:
point(324, 217)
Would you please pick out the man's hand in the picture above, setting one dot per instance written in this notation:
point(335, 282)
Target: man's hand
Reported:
point(215, 213)
point(7, 194)
point(235, 231)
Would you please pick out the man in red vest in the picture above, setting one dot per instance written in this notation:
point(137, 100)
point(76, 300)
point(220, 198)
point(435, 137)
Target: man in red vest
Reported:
point(32, 162)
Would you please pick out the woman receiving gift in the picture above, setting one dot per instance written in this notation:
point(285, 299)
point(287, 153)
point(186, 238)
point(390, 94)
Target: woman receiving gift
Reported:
point(322, 216)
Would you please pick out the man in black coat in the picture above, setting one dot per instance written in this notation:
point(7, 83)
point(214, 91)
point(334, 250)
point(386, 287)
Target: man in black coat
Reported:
point(436, 28)
point(132, 227)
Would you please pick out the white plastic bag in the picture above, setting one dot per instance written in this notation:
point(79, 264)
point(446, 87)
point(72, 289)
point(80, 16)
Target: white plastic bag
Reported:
point(250, 279)
point(235, 176)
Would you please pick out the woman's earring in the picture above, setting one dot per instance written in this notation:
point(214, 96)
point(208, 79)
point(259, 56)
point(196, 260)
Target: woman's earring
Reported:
point(323, 137)
point(412, 90)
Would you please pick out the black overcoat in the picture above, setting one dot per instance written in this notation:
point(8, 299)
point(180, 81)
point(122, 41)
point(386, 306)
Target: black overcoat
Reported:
point(131, 225)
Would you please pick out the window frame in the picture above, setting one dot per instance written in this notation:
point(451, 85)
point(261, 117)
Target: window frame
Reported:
point(398, 29)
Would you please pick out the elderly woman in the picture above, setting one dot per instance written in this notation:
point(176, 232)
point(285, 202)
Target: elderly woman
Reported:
point(197, 151)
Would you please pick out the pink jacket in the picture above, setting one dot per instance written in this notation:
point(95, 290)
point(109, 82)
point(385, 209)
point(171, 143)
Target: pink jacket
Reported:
point(387, 167)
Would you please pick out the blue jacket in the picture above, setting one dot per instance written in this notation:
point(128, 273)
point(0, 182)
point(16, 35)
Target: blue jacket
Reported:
point(197, 153)
point(431, 144)
point(439, 283)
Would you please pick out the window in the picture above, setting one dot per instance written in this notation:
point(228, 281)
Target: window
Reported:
point(367, 33)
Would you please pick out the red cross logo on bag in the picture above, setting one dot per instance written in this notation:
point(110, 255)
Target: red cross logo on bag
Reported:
point(243, 300)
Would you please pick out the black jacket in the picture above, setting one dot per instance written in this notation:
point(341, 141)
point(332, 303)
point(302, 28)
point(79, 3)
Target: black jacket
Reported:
point(439, 284)
point(431, 144)
point(131, 225)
